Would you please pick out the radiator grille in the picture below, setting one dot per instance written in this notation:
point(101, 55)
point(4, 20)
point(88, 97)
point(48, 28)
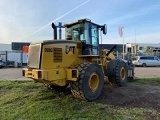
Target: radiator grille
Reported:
point(34, 56)
point(57, 54)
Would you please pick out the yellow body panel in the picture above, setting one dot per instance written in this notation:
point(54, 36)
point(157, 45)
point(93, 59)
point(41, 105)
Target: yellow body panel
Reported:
point(70, 75)
point(54, 76)
point(30, 73)
point(68, 60)
point(58, 60)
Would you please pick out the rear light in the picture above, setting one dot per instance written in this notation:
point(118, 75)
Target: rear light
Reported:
point(39, 74)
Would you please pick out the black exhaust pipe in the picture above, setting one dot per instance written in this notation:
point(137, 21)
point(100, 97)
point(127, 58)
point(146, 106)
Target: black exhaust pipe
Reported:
point(54, 31)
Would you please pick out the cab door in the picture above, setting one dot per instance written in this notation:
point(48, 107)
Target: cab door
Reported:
point(94, 39)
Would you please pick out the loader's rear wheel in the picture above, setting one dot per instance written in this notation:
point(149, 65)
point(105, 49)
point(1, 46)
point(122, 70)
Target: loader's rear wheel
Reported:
point(90, 82)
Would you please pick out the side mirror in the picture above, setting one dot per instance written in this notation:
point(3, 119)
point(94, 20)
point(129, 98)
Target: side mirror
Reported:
point(104, 29)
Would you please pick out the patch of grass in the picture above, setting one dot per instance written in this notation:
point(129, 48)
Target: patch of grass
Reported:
point(28, 100)
point(147, 81)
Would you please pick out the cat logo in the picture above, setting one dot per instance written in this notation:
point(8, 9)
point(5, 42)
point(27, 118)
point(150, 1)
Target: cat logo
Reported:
point(70, 50)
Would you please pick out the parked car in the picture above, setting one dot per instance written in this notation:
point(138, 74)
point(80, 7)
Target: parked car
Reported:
point(146, 61)
point(1, 65)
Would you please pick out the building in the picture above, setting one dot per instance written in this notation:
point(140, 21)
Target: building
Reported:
point(12, 55)
point(143, 49)
point(119, 47)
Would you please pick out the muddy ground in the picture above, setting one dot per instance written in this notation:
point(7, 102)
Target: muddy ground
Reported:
point(132, 95)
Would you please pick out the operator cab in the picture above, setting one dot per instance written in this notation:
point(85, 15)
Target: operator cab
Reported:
point(87, 32)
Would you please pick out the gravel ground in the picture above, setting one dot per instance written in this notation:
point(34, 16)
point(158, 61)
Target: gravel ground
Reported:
point(12, 74)
point(16, 73)
point(147, 72)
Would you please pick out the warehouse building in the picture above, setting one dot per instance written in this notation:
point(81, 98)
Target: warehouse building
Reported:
point(12, 56)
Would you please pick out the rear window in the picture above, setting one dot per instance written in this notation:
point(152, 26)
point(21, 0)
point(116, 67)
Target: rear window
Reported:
point(156, 58)
point(146, 58)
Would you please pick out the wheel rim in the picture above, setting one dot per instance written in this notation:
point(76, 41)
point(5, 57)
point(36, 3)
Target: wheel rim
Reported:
point(123, 73)
point(93, 82)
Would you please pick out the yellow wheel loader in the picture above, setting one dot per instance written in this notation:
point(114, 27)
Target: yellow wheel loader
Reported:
point(77, 61)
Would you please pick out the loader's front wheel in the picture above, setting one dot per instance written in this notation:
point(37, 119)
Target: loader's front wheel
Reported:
point(119, 74)
point(90, 82)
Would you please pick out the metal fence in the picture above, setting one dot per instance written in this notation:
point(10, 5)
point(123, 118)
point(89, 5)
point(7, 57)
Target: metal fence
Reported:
point(13, 58)
point(20, 59)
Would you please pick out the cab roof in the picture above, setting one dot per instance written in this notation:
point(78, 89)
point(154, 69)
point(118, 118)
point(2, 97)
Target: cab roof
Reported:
point(81, 21)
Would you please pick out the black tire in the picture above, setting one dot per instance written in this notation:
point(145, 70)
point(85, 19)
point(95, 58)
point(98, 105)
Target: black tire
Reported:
point(90, 82)
point(121, 73)
point(144, 65)
point(117, 72)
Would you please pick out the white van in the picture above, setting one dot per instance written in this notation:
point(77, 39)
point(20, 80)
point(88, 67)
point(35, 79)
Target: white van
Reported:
point(146, 61)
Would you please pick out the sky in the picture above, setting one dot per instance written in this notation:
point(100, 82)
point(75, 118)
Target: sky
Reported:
point(30, 20)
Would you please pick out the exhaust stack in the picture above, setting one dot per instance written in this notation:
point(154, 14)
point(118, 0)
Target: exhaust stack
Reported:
point(54, 31)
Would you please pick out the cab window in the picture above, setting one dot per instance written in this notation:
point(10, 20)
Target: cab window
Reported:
point(94, 39)
point(78, 34)
point(94, 35)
